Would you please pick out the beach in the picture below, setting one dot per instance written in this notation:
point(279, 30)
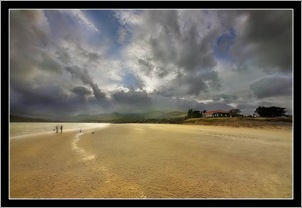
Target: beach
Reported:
point(153, 161)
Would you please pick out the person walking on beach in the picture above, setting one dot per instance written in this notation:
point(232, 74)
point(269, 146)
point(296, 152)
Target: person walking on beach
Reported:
point(57, 129)
point(61, 129)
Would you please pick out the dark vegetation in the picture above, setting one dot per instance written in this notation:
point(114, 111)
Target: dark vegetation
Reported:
point(199, 114)
point(235, 113)
point(194, 114)
point(270, 111)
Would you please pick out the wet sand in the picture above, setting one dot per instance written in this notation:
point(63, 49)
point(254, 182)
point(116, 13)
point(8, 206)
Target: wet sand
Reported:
point(154, 161)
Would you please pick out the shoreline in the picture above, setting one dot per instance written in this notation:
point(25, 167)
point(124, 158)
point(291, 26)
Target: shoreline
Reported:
point(256, 124)
point(49, 133)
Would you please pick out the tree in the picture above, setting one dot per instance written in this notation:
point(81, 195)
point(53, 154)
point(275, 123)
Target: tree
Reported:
point(234, 112)
point(194, 114)
point(272, 111)
point(197, 114)
point(190, 113)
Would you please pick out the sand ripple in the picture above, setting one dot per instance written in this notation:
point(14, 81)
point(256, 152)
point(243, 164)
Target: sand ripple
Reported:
point(154, 161)
point(83, 153)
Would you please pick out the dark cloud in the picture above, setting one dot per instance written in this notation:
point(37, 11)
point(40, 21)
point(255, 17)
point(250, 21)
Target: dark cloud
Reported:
point(133, 98)
point(81, 91)
point(184, 49)
point(197, 54)
point(83, 75)
point(266, 41)
point(191, 84)
point(97, 92)
point(27, 41)
point(272, 86)
point(29, 62)
point(25, 32)
point(50, 100)
point(39, 100)
point(32, 60)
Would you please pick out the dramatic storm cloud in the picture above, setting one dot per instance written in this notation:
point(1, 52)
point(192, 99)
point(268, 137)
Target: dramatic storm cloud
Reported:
point(272, 86)
point(69, 62)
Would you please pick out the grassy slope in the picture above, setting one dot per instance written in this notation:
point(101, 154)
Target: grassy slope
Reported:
point(133, 117)
point(242, 122)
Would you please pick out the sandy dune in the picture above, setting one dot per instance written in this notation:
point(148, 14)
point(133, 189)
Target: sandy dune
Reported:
point(154, 161)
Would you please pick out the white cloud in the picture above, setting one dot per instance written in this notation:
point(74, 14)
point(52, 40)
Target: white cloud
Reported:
point(80, 17)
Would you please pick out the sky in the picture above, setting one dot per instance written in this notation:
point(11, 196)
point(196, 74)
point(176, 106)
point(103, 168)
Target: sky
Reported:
point(71, 62)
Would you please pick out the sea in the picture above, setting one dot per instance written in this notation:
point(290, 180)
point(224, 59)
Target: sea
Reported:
point(22, 129)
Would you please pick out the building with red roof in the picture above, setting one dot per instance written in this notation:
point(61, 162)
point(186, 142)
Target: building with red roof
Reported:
point(217, 113)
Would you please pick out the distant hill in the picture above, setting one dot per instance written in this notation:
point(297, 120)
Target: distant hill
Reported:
point(150, 117)
point(131, 117)
point(174, 114)
point(15, 118)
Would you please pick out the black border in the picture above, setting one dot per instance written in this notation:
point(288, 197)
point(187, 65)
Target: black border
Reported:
point(6, 5)
point(151, 5)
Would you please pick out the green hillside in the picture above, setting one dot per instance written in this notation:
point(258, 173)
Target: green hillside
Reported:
point(15, 118)
point(154, 116)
